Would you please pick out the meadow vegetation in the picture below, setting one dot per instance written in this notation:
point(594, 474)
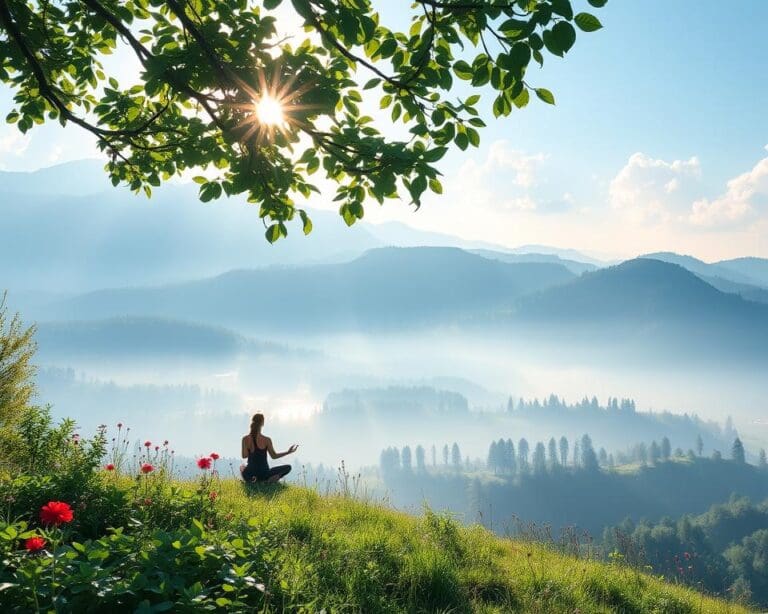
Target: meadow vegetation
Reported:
point(125, 534)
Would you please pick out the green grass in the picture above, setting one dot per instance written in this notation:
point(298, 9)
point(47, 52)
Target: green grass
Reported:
point(346, 555)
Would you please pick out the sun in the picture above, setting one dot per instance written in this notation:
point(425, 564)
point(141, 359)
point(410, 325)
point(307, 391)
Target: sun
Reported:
point(269, 111)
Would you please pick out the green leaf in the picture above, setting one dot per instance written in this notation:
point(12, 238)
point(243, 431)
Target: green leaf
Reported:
point(550, 42)
point(462, 70)
point(435, 186)
point(272, 233)
point(545, 95)
point(271, 4)
point(564, 34)
point(598, 4)
point(587, 22)
point(522, 99)
point(306, 222)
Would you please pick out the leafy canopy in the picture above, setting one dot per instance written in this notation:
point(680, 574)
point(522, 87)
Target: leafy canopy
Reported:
point(221, 90)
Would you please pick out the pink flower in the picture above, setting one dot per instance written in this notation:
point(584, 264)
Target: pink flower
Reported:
point(34, 544)
point(56, 513)
point(147, 468)
point(147, 444)
point(109, 467)
point(204, 463)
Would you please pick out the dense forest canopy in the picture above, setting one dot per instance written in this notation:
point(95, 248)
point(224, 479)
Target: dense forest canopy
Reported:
point(221, 87)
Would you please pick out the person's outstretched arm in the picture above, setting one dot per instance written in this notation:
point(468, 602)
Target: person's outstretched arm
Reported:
point(275, 455)
point(244, 450)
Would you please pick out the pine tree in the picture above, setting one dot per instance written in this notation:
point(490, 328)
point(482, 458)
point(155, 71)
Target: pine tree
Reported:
point(564, 451)
point(510, 459)
point(654, 452)
point(522, 455)
point(456, 456)
point(588, 456)
point(17, 387)
point(666, 449)
point(434, 456)
point(420, 462)
point(699, 445)
point(762, 463)
point(446, 454)
point(552, 453)
point(539, 459)
point(406, 458)
point(737, 451)
point(493, 457)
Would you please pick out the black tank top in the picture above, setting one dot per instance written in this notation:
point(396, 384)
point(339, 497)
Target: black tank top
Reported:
point(257, 460)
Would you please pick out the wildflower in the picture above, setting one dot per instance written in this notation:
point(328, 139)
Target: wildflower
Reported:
point(687, 556)
point(109, 467)
point(147, 444)
point(215, 456)
point(165, 443)
point(34, 544)
point(157, 448)
point(213, 495)
point(147, 501)
point(147, 468)
point(204, 463)
point(56, 513)
point(119, 425)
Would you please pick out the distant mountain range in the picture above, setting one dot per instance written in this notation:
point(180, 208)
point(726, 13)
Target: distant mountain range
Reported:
point(67, 230)
point(661, 306)
point(747, 277)
point(386, 287)
point(144, 337)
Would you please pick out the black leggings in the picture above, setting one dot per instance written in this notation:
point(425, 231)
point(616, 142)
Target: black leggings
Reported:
point(279, 470)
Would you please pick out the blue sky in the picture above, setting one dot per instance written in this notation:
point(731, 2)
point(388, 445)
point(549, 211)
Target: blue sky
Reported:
point(656, 113)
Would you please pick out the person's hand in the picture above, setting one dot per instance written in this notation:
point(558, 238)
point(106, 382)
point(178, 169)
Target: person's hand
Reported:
point(293, 448)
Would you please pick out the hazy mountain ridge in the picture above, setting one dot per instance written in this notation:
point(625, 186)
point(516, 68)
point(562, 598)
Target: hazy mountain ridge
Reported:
point(644, 289)
point(384, 287)
point(90, 235)
point(144, 337)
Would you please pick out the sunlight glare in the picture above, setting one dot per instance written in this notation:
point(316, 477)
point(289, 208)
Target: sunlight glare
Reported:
point(269, 111)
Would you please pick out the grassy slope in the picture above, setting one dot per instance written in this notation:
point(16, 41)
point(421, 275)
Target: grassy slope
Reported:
point(356, 556)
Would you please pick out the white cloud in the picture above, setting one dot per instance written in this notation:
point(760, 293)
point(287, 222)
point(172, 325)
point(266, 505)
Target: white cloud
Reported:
point(488, 181)
point(654, 190)
point(523, 166)
point(745, 199)
point(13, 142)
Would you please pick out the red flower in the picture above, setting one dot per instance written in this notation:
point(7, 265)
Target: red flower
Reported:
point(147, 443)
point(204, 463)
point(56, 513)
point(33, 544)
point(147, 468)
point(214, 456)
point(119, 425)
point(157, 448)
point(109, 467)
point(213, 495)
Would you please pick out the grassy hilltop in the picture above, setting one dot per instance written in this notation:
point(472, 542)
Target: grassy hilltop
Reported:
point(342, 554)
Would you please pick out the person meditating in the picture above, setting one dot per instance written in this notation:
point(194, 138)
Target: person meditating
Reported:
point(255, 448)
